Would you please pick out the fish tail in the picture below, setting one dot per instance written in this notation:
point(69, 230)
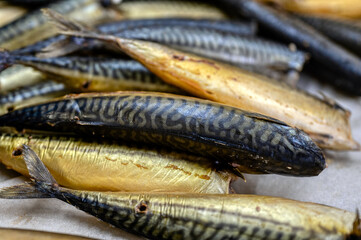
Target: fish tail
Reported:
point(72, 28)
point(6, 59)
point(43, 184)
point(356, 230)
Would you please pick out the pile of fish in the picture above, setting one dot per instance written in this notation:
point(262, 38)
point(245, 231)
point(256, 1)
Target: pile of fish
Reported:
point(145, 111)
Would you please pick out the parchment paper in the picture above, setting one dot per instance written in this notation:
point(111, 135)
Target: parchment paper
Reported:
point(339, 185)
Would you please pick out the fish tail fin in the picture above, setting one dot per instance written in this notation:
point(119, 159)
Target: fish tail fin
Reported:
point(72, 28)
point(22, 191)
point(356, 230)
point(43, 184)
point(6, 59)
point(60, 48)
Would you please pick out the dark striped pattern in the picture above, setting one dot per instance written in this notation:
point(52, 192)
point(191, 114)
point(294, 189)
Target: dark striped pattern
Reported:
point(170, 218)
point(226, 134)
point(211, 26)
point(39, 89)
point(35, 18)
point(224, 47)
point(220, 26)
point(203, 37)
point(117, 69)
point(127, 74)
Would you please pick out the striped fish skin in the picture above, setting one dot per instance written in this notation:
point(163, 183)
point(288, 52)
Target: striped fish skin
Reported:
point(34, 26)
point(231, 48)
point(329, 126)
point(224, 47)
point(106, 166)
point(304, 36)
point(219, 27)
point(30, 95)
point(186, 216)
point(225, 134)
point(211, 43)
point(97, 74)
point(345, 32)
point(194, 216)
point(31, 91)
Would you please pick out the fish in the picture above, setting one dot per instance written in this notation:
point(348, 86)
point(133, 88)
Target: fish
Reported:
point(31, 95)
point(227, 47)
point(97, 165)
point(20, 32)
point(13, 233)
point(207, 28)
point(346, 9)
point(322, 49)
point(194, 216)
point(273, 60)
point(220, 40)
point(9, 13)
point(89, 74)
point(18, 76)
point(168, 8)
point(327, 75)
point(252, 142)
point(345, 32)
point(328, 126)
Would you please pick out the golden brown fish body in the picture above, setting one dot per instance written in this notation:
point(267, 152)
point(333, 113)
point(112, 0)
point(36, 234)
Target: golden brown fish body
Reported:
point(194, 216)
point(106, 166)
point(331, 8)
point(206, 216)
point(158, 9)
point(9, 13)
point(19, 76)
point(328, 124)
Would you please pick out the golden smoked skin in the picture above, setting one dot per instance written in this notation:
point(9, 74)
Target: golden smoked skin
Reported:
point(110, 167)
point(163, 9)
point(327, 125)
point(9, 13)
point(215, 216)
point(19, 76)
point(330, 8)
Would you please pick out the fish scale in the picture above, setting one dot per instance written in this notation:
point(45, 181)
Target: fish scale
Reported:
point(200, 128)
